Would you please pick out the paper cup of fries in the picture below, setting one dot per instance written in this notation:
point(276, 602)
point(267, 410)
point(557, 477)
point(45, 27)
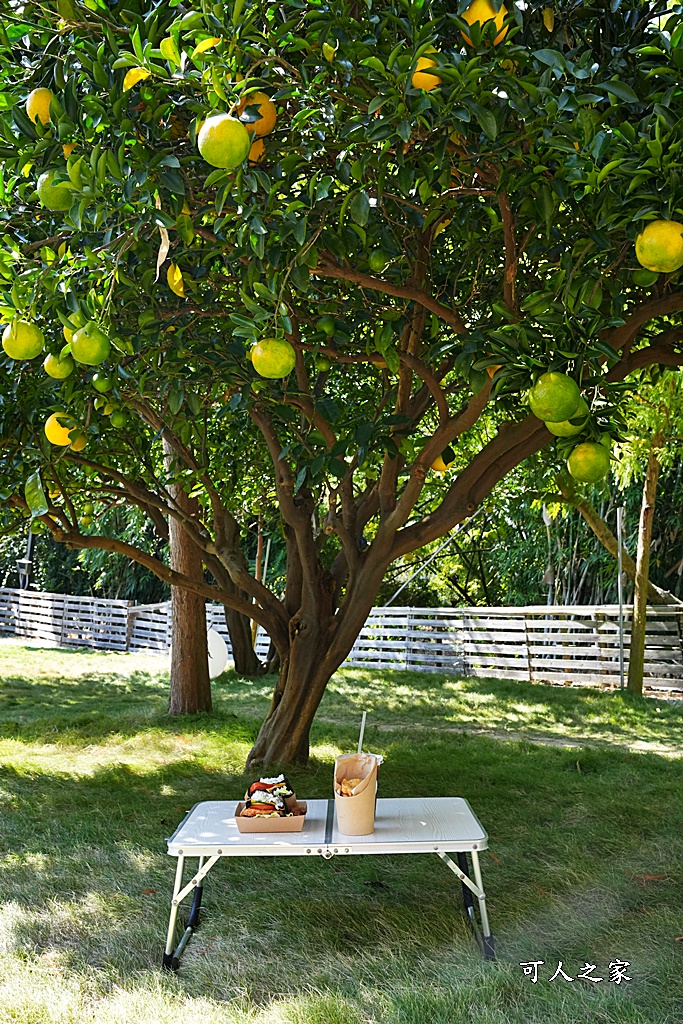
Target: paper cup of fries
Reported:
point(355, 793)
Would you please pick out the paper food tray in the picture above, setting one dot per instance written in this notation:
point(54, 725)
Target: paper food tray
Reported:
point(294, 824)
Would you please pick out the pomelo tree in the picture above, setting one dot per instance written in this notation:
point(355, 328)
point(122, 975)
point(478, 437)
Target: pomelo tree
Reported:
point(440, 214)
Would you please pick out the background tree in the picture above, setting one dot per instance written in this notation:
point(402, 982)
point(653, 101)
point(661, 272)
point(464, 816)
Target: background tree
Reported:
point(434, 200)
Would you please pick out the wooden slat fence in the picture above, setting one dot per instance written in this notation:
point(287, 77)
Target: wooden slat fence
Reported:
point(575, 645)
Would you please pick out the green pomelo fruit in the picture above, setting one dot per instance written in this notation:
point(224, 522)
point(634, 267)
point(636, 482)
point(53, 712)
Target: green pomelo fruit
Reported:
point(57, 367)
point(57, 197)
point(327, 325)
point(102, 382)
point(589, 462)
point(567, 428)
point(554, 397)
point(90, 345)
point(224, 141)
point(273, 358)
point(377, 260)
point(22, 340)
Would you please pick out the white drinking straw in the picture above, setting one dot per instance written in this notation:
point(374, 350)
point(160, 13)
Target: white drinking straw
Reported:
point(362, 731)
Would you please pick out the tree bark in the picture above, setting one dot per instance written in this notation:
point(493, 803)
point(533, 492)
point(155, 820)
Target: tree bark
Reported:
point(243, 654)
point(636, 662)
point(284, 736)
point(320, 642)
point(190, 684)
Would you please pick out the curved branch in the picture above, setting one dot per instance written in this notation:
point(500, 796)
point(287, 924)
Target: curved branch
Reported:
point(649, 310)
point(328, 267)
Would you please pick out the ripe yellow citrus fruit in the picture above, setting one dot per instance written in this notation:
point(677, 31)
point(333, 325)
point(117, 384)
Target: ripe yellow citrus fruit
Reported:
point(81, 440)
point(223, 141)
point(265, 111)
point(57, 429)
point(378, 360)
point(660, 246)
point(423, 77)
point(565, 428)
point(54, 197)
point(57, 367)
point(22, 340)
point(257, 152)
point(444, 461)
point(38, 105)
point(554, 397)
point(482, 11)
point(90, 345)
point(273, 357)
point(589, 462)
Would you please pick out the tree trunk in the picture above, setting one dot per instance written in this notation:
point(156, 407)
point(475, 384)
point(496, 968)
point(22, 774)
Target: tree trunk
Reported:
point(636, 662)
point(190, 684)
point(320, 642)
point(243, 654)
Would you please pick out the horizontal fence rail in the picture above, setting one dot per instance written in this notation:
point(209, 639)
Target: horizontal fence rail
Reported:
point(562, 644)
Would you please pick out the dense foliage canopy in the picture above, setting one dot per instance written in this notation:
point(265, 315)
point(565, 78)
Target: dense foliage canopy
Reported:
point(405, 236)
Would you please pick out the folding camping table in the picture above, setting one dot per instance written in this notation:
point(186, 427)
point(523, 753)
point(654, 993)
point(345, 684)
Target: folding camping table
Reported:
point(440, 825)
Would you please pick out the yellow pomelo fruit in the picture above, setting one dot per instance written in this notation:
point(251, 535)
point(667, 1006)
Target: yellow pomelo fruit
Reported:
point(554, 397)
point(54, 197)
point(589, 462)
point(57, 429)
point(68, 333)
point(660, 246)
point(257, 152)
point(565, 428)
point(266, 111)
point(57, 367)
point(38, 105)
point(444, 461)
point(482, 11)
point(422, 76)
point(223, 141)
point(90, 345)
point(68, 148)
point(22, 340)
point(81, 440)
point(273, 357)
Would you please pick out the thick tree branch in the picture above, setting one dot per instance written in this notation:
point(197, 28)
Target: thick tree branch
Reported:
point(617, 337)
point(328, 267)
point(511, 257)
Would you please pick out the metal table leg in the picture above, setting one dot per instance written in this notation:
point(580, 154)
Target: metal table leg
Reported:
point(489, 951)
point(168, 958)
point(171, 958)
point(484, 938)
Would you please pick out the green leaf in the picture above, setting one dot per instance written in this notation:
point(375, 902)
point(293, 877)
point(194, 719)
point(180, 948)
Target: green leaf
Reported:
point(620, 90)
point(487, 120)
point(359, 208)
point(35, 495)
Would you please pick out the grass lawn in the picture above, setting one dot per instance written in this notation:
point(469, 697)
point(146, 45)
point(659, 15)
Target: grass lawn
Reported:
point(580, 793)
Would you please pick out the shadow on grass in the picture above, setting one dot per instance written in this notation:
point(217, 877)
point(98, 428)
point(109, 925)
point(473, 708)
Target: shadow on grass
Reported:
point(114, 695)
point(85, 877)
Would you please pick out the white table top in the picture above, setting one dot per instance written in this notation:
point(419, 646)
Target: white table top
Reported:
point(411, 825)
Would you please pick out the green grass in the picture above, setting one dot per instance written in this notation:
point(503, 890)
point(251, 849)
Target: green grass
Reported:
point(580, 793)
